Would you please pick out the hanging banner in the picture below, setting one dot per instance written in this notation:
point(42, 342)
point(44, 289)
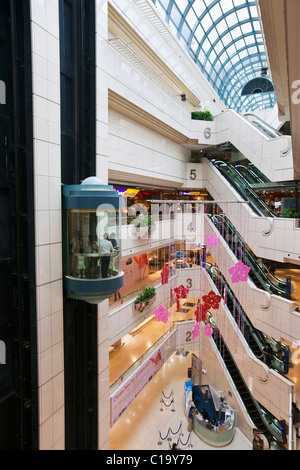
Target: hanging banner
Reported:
point(135, 383)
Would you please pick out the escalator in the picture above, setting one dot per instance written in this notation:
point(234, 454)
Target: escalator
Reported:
point(258, 414)
point(265, 128)
point(255, 338)
point(241, 185)
point(260, 275)
point(252, 175)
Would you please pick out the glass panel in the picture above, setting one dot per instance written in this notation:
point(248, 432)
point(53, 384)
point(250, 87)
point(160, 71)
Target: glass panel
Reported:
point(226, 5)
point(94, 244)
point(191, 18)
point(206, 22)
point(182, 4)
point(199, 33)
point(176, 15)
point(243, 14)
point(199, 7)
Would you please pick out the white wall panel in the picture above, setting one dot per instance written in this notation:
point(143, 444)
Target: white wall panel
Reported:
point(46, 133)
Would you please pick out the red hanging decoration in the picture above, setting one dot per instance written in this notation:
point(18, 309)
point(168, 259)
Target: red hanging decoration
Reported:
point(165, 275)
point(211, 300)
point(201, 313)
point(181, 293)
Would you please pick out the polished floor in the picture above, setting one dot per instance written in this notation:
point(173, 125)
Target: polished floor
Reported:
point(145, 427)
point(140, 425)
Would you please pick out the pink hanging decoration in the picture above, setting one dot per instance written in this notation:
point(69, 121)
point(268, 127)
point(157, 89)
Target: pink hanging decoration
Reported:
point(239, 272)
point(165, 275)
point(211, 300)
point(201, 313)
point(196, 330)
point(208, 330)
point(161, 314)
point(212, 240)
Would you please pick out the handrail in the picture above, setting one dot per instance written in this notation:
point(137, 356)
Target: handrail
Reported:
point(263, 209)
point(256, 335)
point(266, 128)
point(141, 359)
point(259, 273)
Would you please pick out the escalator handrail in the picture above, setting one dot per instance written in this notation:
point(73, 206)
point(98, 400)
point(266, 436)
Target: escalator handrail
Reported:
point(262, 278)
point(256, 334)
point(265, 125)
point(280, 283)
point(249, 170)
point(263, 208)
point(258, 173)
point(264, 427)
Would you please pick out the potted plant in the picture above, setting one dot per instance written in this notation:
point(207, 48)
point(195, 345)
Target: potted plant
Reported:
point(141, 222)
point(145, 299)
point(202, 115)
point(290, 213)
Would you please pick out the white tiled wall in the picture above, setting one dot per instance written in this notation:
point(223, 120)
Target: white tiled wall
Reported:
point(134, 149)
point(102, 139)
point(47, 175)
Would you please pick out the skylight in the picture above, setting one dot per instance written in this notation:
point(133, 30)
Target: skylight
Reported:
point(224, 39)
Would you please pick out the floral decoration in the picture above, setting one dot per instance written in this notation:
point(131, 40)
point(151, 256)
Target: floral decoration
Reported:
point(161, 314)
point(196, 330)
point(181, 292)
point(239, 272)
point(201, 313)
point(211, 300)
point(165, 275)
point(208, 330)
point(212, 240)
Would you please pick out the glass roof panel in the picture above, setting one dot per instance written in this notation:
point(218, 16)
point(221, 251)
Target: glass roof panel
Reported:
point(224, 39)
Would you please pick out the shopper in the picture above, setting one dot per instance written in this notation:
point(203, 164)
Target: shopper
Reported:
point(105, 250)
point(204, 413)
point(81, 263)
point(191, 415)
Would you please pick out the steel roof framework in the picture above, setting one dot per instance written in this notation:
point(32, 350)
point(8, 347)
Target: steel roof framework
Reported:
point(224, 39)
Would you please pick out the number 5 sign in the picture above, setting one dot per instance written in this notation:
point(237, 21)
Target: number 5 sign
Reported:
point(194, 175)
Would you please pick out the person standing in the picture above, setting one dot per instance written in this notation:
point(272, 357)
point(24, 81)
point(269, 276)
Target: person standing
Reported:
point(191, 415)
point(105, 250)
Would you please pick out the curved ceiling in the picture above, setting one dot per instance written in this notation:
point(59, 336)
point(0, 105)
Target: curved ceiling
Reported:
point(224, 39)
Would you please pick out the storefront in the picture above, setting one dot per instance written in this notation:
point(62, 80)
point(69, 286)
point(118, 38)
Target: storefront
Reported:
point(137, 199)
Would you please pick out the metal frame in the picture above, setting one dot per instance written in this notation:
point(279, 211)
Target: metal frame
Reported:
point(223, 81)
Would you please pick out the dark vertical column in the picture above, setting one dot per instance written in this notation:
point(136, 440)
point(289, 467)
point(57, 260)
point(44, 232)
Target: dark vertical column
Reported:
point(18, 377)
point(78, 160)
